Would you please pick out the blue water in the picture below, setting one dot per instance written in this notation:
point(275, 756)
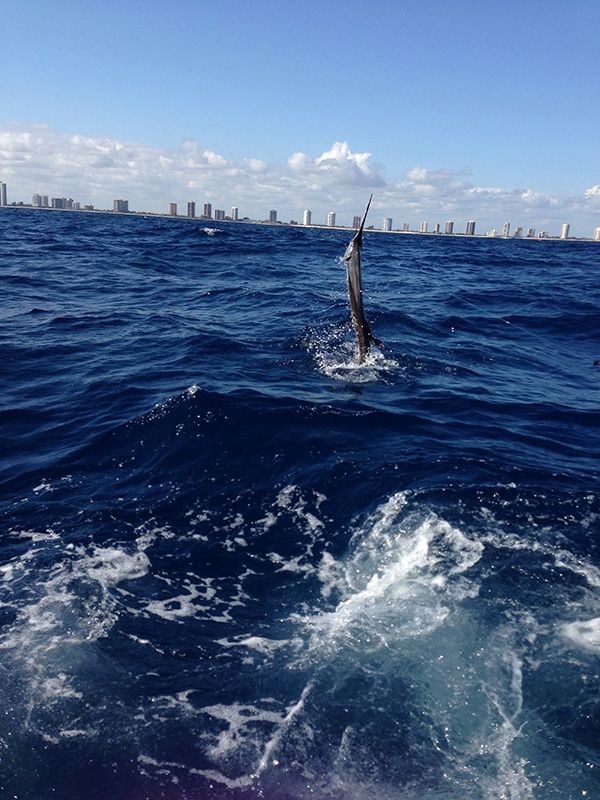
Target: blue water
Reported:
point(236, 564)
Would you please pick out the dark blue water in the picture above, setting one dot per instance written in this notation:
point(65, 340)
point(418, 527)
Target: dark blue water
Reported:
point(235, 564)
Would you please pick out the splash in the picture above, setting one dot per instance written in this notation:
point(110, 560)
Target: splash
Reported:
point(335, 356)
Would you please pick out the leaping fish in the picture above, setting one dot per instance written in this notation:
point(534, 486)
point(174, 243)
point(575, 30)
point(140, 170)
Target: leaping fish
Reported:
point(352, 261)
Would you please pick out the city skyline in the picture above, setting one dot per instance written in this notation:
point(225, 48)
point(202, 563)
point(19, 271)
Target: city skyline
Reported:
point(121, 206)
point(491, 211)
point(476, 119)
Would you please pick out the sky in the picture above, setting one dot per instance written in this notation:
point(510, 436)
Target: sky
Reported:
point(444, 109)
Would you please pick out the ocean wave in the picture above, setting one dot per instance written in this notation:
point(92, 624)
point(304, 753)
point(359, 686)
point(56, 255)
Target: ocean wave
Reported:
point(236, 563)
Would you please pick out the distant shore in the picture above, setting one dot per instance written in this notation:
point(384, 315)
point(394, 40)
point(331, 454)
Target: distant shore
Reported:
point(248, 221)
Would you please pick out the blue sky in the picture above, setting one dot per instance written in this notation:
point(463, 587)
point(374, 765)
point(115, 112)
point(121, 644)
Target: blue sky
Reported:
point(445, 110)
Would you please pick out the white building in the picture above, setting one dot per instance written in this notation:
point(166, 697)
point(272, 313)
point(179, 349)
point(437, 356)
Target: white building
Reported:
point(470, 229)
point(424, 227)
point(191, 209)
point(564, 231)
point(506, 229)
point(387, 224)
point(597, 235)
point(3, 200)
point(172, 209)
point(449, 227)
point(331, 219)
point(306, 219)
point(234, 213)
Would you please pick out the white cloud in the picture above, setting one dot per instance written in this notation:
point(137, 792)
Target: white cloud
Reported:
point(338, 166)
point(40, 159)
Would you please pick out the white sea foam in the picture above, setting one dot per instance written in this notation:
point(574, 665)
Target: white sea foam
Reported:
point(335, 355)
point(65, 604)
point(403, 572)
point(402, 594)
point(342, 364)
point(240, 735)
point(397, 603)
point(45, 486)
point(148, 765)
point(584, 634)
point(293, 504)
point(577, 565)
point(258, 643)
point(58, 686)
point(110, 566)
point(183, 605)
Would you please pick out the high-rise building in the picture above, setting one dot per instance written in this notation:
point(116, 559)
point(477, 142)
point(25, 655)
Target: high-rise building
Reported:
point(564, 231)
point(172, 209)
point(387, 224)
point(530, 233)
point(44, 201)
point(424, 227)
point(306, 219)
point(597, 235)
point(437, 227)
point(234, 213)
point(272, 215)
point(449, 227)
point(122, 206)
point(506, 229)
point(356, 220)
point(518, 234)
point(331, 219)
point(207, 210)
point(191, 209)
point(470, 230)
point(405, 227)
point(219, 214)
point(36, 200)
point(3, 200)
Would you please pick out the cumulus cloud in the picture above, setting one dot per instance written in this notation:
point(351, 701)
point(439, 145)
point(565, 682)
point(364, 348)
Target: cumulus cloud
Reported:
point(40, 159)
point(96, 169)
point(339, 166)
point(449, 194)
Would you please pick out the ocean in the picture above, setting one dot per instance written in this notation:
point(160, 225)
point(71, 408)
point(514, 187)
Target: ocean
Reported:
point(235, 564)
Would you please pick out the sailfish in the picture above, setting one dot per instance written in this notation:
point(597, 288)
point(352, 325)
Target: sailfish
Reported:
point(353, 273)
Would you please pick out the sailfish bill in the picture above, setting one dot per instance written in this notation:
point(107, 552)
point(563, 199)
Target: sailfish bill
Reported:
point(352, 261)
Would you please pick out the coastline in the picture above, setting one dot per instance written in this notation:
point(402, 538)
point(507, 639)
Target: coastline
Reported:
point(247, 221)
